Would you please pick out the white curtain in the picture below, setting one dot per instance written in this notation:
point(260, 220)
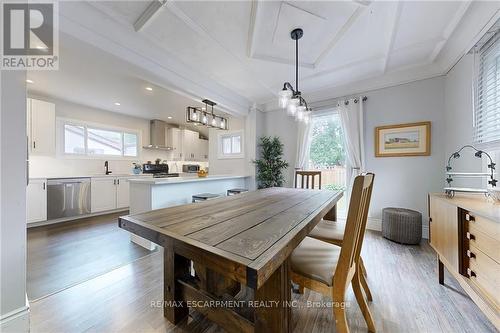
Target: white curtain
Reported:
point(303, 145)
point(351, 117)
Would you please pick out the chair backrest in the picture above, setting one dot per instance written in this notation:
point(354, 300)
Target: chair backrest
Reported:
point(355, 226)
point(307, 175)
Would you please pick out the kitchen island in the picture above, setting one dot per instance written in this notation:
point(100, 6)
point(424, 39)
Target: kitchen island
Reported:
point(155, 193)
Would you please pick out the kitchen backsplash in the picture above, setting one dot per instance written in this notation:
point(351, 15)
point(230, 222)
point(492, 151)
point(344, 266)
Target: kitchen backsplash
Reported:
point(43, 166)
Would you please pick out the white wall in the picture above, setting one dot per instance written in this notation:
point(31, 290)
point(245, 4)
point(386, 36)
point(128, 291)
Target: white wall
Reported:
point(46, 166)
point(13, 304)
point(406, 181)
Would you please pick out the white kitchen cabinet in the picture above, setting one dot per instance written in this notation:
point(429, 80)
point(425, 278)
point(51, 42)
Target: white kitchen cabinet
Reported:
point(41, 126)
point(122, 192)
point(202, 150)
point(190, 145)
point(174, 140)
point(103, 194)
point(36, 200)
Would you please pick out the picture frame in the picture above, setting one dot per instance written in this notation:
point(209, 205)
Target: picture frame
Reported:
point(411, 139)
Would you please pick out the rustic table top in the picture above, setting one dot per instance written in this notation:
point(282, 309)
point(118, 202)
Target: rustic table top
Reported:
point(245, 236)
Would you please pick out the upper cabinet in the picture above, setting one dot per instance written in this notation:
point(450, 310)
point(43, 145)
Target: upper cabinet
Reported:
point(41, 120)
point(187, 145)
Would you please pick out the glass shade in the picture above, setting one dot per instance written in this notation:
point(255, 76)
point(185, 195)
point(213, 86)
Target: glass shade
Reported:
point(222, 123)
point(214, 121)
point(301, 110)
point(291, 108)
point(307, 117)
point(194, 116)
point(284, 98)
point(204, 119)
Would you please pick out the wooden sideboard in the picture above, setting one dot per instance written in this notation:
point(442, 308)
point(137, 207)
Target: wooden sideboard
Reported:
point(465, 232)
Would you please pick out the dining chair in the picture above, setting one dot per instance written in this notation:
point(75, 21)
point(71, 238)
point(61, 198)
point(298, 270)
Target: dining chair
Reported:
point(307, 175)
point(329, 269)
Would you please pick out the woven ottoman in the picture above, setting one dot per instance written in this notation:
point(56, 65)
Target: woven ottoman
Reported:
point(402, 225)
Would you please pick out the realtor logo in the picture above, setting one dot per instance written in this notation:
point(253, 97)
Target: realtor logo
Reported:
point(30, 36)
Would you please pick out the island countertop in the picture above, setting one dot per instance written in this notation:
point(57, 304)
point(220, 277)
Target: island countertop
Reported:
point(177, 180)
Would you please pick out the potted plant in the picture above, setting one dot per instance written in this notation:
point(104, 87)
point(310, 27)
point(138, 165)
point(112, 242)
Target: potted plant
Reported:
point(271, 164)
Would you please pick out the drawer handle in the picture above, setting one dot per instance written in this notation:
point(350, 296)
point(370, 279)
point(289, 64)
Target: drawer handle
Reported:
point(470, 236)
point(471, 273)
point(471, 254)
point(469, 217)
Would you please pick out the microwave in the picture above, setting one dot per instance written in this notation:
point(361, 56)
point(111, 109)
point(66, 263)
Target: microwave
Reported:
point(190, 168)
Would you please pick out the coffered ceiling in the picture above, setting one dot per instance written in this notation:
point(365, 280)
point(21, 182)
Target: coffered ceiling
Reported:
point(239, 53)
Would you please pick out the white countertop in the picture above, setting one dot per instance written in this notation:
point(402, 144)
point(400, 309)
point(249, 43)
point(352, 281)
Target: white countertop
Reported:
point(177, 180)
point(91, 176)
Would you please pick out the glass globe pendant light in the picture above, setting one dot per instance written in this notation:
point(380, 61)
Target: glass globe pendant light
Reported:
point(291, 99)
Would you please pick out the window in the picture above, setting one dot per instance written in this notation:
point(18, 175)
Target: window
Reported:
point(230, 145)
point(327, 154)
point(89, 140)
point(487, 89)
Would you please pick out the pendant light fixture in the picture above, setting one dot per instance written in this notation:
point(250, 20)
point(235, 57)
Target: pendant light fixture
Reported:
point(201, 116)
point(290, 98)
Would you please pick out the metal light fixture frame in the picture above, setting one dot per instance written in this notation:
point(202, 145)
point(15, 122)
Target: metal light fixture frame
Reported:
point(296, 34)
point(190, 110)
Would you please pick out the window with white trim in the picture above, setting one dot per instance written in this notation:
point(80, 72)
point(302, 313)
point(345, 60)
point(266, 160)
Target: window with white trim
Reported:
point(88, 140)
point(487, 89)
point(230, 145)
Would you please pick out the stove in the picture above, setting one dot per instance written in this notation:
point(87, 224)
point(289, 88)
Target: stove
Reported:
point(165, 175)
point(158, 170)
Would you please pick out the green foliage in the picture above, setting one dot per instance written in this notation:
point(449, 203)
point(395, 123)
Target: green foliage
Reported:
point(334, 187)
point(327, 147)
point(271, 164)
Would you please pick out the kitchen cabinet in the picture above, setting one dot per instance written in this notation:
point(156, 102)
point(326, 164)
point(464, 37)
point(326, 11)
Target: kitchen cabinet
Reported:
point(190, 145)
point(174, 140)
point(103, 194)
point(202, 154)
point(36, 200)
point(41, 121)
point(122, 192)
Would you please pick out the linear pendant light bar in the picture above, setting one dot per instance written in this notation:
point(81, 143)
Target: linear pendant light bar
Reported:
point(201, 116)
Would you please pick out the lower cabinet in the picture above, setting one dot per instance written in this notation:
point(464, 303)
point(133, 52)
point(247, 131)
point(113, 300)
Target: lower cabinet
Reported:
point(36, 200)
point(108, 193)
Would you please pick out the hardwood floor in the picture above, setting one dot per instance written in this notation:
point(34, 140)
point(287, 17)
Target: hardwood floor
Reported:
point(403, 280)
point(62, 255)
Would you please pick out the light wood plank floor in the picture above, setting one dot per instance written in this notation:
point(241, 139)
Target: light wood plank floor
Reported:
point(403, 280)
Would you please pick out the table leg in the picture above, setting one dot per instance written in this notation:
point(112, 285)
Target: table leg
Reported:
point(440, 271)
point(276, 293)
point(331, 215)
point(174, 267)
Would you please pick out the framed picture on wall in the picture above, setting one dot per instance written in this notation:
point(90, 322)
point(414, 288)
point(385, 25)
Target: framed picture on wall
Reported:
point(412, 139)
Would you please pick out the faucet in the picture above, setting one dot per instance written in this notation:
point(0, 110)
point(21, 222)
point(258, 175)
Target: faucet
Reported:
point(106, 167)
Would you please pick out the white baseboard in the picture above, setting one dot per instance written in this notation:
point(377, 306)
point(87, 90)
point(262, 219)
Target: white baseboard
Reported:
point(376, 224)
point(16, 321)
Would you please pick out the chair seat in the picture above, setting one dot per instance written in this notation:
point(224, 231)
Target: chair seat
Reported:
point(316, 260)
point(205, 196)
point(329, 231)
point(236, 190)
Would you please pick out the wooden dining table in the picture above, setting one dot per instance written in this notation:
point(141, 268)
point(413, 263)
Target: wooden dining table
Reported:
point(221, 249)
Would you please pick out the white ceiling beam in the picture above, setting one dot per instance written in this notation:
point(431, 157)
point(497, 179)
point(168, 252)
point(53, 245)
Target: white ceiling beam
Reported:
point(338, 36)
point(251, 27)
point(452, 25)
point(392, 33)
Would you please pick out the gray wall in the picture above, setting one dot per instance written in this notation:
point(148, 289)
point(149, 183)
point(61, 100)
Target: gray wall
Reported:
point(405, 181)
point(13, 202)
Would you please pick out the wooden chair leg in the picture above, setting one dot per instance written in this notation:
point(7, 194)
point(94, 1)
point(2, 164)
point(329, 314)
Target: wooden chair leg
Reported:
point(300, 289)
point(339, 311)
point(364, 284)
point(365, 310)
point(362, 265)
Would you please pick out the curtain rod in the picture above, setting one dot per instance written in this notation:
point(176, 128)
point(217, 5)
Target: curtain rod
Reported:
point(334, 102)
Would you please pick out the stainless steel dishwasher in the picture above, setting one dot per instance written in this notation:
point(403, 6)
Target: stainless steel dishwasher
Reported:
point(67, 197)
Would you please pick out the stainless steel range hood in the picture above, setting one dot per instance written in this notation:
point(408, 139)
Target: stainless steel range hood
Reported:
point(157, 135)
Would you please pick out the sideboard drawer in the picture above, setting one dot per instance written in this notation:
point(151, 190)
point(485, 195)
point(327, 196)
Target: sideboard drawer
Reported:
point(489, 227)
point(485, 273)
point(484, 242)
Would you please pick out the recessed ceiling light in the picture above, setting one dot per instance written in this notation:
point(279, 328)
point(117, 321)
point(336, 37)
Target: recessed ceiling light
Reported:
point(117, 104)
point(169, 117)
point(149, 89)
point(29, 81)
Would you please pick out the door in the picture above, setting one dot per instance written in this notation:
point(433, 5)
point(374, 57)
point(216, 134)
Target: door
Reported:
point(36, 200)
point(103, 194)
point(444, 230)
point(43, 127)
point(122, 192)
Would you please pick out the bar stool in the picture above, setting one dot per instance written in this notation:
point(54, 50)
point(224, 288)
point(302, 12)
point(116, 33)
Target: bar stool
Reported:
point(204, 196)
point(234, 191)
